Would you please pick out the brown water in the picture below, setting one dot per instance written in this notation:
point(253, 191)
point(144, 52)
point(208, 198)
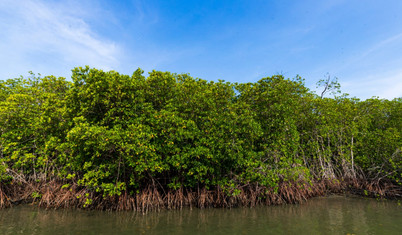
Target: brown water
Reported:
point(330, 215)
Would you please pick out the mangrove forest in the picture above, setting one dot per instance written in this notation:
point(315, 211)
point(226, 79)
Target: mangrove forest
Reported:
point(110, 141)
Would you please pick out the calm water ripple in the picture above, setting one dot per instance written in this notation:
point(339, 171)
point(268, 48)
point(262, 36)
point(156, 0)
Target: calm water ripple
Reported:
point(330, 215)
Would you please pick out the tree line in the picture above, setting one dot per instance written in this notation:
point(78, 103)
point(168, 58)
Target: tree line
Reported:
point(112, 133)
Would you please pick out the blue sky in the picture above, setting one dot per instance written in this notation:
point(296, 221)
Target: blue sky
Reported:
point(358, 41)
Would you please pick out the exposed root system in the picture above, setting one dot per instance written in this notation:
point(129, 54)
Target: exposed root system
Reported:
point(53, 195)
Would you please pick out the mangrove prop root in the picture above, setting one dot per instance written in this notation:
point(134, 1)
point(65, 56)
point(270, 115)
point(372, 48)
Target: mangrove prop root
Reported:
point(53, 195)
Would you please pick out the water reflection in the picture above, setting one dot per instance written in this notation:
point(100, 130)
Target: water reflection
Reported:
point(333, 215)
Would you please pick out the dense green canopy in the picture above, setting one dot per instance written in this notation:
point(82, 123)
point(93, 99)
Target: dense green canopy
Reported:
point(113, 133)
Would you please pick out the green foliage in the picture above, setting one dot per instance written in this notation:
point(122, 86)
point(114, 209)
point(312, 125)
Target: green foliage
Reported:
point(4, 177)
point(31, 121)
point(112, 133)
point(36, 195)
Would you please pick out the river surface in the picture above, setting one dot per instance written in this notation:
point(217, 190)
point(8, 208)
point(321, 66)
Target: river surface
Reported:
point(325, 215)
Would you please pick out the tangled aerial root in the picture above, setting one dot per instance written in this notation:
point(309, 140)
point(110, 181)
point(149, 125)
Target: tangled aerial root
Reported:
point(52, 195)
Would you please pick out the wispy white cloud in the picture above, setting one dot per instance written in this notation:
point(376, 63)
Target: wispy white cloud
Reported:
point(371, 54)
point(387, 85)
point(50, 37)
point(145, 12)
point(379, 45)
point(393, 88)
point(370, 71)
